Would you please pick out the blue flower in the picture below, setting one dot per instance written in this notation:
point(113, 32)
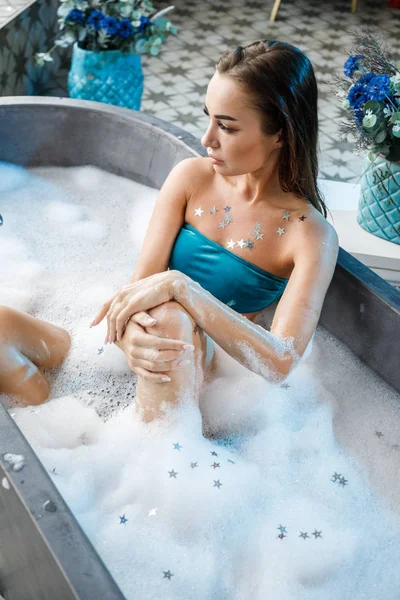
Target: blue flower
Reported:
point(144, 24)
point(110, 24)
point(125, 29)
point(353, 64)
point(369, 87)
point(75, 16)
point(95, 19)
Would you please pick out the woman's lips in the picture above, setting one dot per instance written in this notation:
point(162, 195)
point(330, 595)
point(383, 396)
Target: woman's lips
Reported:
point(215, 160)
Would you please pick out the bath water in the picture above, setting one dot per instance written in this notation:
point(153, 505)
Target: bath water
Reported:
point(284, 492)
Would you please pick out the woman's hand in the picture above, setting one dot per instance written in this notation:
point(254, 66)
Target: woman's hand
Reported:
point(150, 356)
point(136, 297)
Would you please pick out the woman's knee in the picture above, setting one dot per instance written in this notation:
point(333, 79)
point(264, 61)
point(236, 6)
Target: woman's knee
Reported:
point(171, 317)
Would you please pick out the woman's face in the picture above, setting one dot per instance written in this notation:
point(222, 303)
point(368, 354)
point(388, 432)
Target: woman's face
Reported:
point(234, 133)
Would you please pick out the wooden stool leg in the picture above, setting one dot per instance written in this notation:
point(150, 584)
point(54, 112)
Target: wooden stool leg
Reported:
point(353, 6)
point(275, 9)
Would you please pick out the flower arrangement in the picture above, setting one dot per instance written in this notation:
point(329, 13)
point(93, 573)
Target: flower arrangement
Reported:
point(111, 25)
point(372, 97)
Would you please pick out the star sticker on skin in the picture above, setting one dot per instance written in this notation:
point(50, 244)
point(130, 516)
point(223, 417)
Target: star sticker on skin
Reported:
point(227, 208)
point(123, 520)
point(304, 535)
point(213, 453)
point(177, 446)
point(213, 210)
point(172, 474)
point(100, 351)
point(336, 476)
point(342, 481)
point(257, 226)
point(153, 512)
point(228, 219)
point(217, 483)
point(230, 244)
point(221, 225)
point(286, 216)
point(379, 434)
point(194, 465)
point(282, 529)
point(258, 235)
point(302, 218)
point(249, 244)
point(241, 243)
point(317, 534)
point(215, 465)
point(167, 574)
point(198, 211)
point(280, 230)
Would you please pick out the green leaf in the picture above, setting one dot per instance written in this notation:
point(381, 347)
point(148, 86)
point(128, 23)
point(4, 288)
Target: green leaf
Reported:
point(373, 105)
point(396, 133)
point(395, 117)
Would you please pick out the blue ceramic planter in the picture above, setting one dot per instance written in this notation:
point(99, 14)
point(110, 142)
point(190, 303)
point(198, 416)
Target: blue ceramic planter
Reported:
point(109, 76)
point(379, 204)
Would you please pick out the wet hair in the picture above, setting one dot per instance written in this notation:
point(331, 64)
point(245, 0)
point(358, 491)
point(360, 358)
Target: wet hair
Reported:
point(281, 84)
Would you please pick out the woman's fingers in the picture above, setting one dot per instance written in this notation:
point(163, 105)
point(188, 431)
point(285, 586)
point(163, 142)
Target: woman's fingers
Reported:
point(154, 377)
point(101, 314)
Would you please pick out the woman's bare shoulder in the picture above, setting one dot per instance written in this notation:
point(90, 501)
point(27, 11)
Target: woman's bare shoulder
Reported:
point(197, 171)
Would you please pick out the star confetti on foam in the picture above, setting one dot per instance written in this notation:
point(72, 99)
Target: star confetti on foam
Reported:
point(285, 386)
point(282, 535)
point(280, 230)
point(304, 535)
point(198, 211)
point(317, 534)
point(100, 351)
point(167, 574)
point(215, 465)
point(194, 465)
point(231, 461)
point(379, 434)
point(213, 453)
point(53, 471)
point(172, 474)
point(123, 520)
point(342, 481)
point(282, 529)
point(286, 216)
point(230, 244)
point(177, 446)
point(1, 220)
point(336, 476)
point(153, 512)
point(217, 483)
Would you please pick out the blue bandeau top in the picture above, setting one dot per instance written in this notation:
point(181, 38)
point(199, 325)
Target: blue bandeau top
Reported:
point(233, 280)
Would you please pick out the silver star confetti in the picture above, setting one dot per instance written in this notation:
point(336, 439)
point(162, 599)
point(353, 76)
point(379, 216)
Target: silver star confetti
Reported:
point(177, 446)
point(217, 483)
point(221, 225)
point(153, 512)
point(304, 535)
point(194, 465)
point(100, 351)
point(302, 218)
point(213, 453)
point(335, 476)
point(227, 208)
point(215, 465)
point(379, 434)
point(123, 520)
point(257, 226)
point(241, 243)
point(282, 535)
point(167, 574)
point(249, 244)
point(172, 474)
point(285, 386)
point(317, 534)
point(213, 211)
point(342, 481)
point(231, 244)
point(228, 219)
point(258, 235)
point(280, 230)
point(286, 216)
point(282, 529)
point(198, 211)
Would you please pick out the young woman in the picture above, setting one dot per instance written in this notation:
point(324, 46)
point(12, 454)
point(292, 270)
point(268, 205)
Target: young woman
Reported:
point(26, 345)
point(237, 230)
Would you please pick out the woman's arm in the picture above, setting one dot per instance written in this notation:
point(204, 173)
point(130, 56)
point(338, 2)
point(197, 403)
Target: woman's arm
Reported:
point(271, 354)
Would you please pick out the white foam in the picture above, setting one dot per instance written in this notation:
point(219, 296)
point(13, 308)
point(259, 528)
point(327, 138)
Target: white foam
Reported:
point(275, 469)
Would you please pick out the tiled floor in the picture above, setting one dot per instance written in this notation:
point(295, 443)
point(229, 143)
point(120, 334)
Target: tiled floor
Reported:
point(176, 80)
point(9, 9)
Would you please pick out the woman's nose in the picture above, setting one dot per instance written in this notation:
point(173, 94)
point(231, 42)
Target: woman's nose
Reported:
point(208, 139)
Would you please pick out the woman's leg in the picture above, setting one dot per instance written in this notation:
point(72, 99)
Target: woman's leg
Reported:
point(27, 343)
point(174, 322)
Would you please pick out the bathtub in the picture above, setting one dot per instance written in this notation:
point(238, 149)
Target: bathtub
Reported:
point(44, 554)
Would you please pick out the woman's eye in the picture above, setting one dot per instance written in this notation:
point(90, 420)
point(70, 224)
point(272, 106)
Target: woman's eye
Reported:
point(227, 129)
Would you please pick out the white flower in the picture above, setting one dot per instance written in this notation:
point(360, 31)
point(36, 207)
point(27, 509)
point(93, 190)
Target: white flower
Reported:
point(388, 111)
point(370, 119)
